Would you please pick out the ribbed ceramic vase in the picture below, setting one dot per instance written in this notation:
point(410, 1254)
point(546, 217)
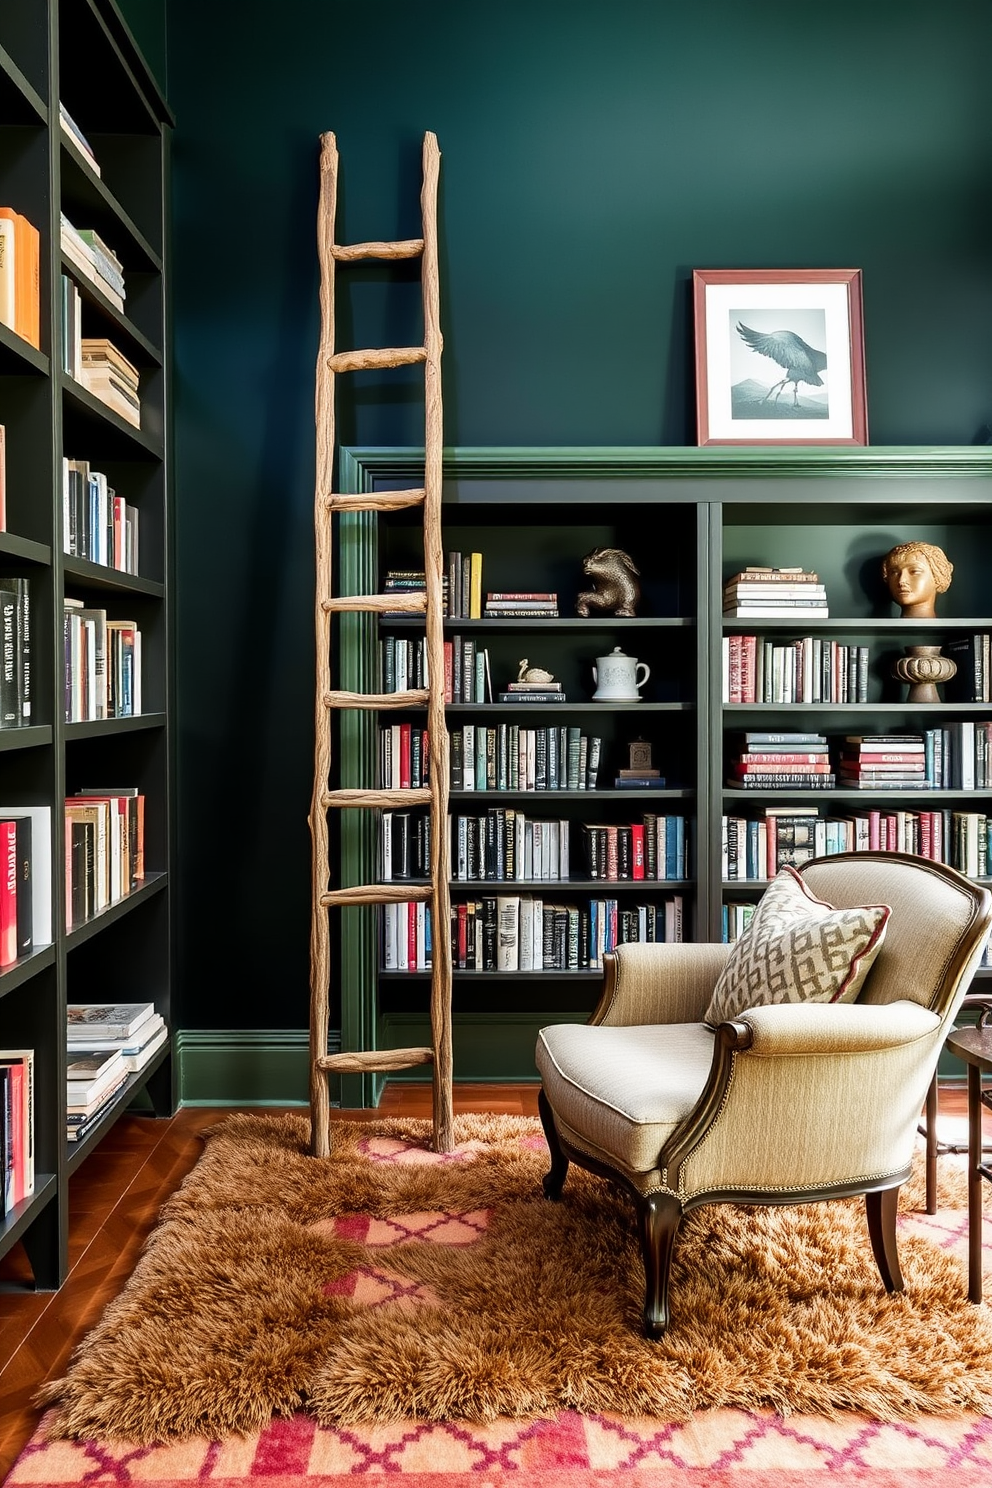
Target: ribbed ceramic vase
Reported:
point(923, 668)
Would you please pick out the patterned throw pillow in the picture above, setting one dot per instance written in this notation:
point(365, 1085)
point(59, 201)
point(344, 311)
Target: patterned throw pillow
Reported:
point(798, 949)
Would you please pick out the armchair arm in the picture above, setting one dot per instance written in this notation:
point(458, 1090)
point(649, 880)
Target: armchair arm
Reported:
point(802, 1097)
point(658, 983)
point(812, 1029)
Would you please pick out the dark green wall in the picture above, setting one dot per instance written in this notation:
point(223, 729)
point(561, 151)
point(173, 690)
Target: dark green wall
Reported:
point(593, 154)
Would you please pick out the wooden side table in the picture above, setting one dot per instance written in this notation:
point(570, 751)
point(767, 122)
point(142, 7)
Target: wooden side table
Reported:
point(974, 1047)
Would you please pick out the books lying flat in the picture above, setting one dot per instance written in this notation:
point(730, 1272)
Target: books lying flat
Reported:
point(106, 1019)
point(89, 1076)
point(136, 1059)
point(780, 782)
point(793, 610)
point(131, 1044)
point(550, 696)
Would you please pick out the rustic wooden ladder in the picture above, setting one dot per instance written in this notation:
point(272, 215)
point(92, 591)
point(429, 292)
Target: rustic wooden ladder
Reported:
point(436, 893)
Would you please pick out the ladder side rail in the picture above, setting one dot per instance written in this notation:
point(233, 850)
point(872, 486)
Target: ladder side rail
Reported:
point(440, 844)
point(320, 862)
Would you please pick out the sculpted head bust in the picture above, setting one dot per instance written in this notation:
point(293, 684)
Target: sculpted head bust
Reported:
point(915, 573)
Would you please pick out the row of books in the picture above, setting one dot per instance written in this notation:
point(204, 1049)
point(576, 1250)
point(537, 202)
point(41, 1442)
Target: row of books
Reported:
point(20, 276)
point(956, 756)
point(506, 757)
point(510, 756)
point(107, 1043)
point(809, 670)
point(814, 669)
point(404, 845)
point(91, 257)
point(104, 850)
point(404, 756)
point(507, 846)
point(656, 847)
point(464, 573)
point(17, 1167)
point(972, 683)
point(26, 885)
point(97, 523)
point(774, 593)
point(757, 848)
point(102, 676)
point(15, 652)
point(524, 932)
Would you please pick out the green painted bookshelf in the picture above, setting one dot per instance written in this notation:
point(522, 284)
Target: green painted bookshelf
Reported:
point(84, 139)
point(692, 518)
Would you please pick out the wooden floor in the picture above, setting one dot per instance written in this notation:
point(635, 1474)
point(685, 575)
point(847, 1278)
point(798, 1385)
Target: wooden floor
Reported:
point(114, 1199)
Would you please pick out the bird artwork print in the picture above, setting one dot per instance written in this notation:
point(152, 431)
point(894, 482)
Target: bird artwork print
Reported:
point(800, 362)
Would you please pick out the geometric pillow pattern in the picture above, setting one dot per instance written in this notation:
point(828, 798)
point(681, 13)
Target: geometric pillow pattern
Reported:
point(797, 949)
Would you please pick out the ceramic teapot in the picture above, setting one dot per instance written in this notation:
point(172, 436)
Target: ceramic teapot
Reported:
point(618, 678)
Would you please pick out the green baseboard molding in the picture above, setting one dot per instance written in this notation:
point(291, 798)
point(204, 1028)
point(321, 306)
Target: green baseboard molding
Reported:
point(243, 1067)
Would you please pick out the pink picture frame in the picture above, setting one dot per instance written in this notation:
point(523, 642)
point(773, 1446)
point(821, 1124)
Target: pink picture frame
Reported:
point(779, 357)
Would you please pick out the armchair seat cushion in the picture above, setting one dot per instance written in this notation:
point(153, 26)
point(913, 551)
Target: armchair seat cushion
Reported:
point(625, 1089)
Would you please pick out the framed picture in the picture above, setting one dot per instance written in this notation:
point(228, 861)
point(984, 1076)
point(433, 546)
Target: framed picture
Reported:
point(779, 356)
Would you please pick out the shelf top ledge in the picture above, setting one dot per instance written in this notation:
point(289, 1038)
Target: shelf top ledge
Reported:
point(680, 460)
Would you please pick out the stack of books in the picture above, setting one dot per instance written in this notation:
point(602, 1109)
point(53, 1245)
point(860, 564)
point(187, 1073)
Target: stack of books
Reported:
point(411, 581)
point(883, 762)
point(533, 692)
point(774, 593)
point(646, 779)
point(782, 761)
point(522, 604)
point(109, 376)
point(107, 1042)
point(88, 253)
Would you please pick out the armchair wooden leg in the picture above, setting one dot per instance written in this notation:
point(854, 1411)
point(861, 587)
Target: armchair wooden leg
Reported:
point(931, 1147)
point(881, 1210)
point(554, 1180)
point(658, 1217)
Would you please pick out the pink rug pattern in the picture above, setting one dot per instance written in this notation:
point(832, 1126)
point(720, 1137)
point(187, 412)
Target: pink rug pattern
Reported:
point(713, 1449)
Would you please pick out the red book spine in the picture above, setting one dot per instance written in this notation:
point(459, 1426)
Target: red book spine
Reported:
point(734, 695)
point(637, 850)
point(411, 935)
point(771, 846)
point(449, 672)
point(749, 648)
point(8, 893)
point(405, 733)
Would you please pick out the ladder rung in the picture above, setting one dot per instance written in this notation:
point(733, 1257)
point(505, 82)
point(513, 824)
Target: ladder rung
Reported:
point(387, 893)
point(373, 1060)
point(375, 501)
point(350, 252)
point(387, 799)
point(417, 698)
point(376, 357)
point(414, 599)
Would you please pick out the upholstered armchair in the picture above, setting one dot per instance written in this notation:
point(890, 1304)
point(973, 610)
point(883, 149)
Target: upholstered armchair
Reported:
point(789, 1099)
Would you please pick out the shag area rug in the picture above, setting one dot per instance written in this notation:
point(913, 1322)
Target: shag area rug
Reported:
point(390, 1283)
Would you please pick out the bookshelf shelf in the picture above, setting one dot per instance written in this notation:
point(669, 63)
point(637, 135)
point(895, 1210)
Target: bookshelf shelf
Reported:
point(80, 53)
